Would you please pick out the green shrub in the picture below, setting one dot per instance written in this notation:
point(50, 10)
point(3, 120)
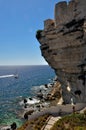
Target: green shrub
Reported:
point(38, 34)
point(71, 122)
point(80, 128)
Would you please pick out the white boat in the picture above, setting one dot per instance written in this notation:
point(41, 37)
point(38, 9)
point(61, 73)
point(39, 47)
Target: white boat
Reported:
point(16, 76)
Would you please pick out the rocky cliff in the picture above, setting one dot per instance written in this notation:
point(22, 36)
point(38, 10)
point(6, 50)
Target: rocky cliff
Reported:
point(63, 45)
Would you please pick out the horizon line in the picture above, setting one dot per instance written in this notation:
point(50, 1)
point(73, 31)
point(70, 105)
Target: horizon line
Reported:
point(25, 65)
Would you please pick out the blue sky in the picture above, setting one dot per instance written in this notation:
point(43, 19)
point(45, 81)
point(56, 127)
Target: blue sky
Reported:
point(19, 21)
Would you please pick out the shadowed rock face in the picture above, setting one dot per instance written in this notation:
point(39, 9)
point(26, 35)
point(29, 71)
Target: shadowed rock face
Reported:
point(63, 45)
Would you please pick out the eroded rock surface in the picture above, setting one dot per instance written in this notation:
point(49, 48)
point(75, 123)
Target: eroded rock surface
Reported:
point(63, 45)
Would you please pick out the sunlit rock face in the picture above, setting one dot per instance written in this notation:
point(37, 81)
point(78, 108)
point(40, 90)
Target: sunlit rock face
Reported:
point(63, 45)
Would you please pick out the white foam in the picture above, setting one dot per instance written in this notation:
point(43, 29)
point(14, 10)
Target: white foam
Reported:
point(37, 88)
point(30, 102)
point(50, 84)
point(43, 87)
point(33, 101)
point(5, 128)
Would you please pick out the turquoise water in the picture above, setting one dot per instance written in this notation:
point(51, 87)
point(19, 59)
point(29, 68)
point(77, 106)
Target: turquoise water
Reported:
point(13, 90)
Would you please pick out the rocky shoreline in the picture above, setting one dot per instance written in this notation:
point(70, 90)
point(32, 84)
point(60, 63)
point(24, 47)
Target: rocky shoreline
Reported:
point(46, 96)
point(48, 100)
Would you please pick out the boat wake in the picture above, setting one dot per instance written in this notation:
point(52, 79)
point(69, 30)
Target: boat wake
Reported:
point(7, 76)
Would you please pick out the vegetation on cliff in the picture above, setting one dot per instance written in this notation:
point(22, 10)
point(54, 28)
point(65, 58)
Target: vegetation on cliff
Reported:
point(38, 34)
point(71, 122)
point(75, 121)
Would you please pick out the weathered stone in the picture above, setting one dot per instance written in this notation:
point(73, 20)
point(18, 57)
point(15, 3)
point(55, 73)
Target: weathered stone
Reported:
point(63, 45)
point(48, 24)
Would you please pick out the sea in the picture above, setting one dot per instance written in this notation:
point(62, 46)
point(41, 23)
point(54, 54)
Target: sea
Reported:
point(13, 90)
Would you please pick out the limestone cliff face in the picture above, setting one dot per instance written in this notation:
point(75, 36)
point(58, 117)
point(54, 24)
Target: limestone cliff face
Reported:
point(63, 45)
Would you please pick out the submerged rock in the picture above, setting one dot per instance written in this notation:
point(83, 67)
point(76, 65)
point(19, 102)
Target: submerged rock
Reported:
point(28, 113)
point(13, 126)
point(40, 95)
point(25, 100)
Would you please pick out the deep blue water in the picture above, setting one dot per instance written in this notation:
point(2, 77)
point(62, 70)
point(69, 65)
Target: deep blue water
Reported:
point(12, 90)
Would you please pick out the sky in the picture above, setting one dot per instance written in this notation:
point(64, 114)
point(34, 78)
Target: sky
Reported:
point(19, 21)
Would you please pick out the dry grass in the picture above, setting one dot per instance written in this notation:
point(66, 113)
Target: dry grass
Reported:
point(36, 124)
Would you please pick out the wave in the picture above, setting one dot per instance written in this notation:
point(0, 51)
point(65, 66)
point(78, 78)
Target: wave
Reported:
point(45, 87)
point(33, 101)
point(37, 88)
point(42, 87)
point(30, 101)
